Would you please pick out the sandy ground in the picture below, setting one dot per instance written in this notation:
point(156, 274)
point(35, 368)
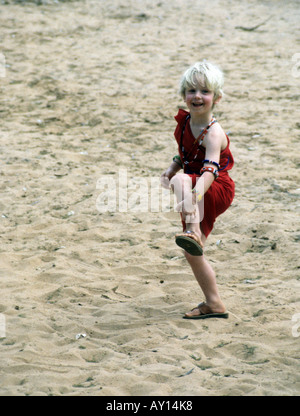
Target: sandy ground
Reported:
point(89, 88)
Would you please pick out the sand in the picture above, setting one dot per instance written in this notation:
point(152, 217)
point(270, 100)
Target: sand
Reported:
point(93, 301)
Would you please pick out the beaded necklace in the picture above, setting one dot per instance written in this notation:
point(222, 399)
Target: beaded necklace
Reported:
point(197, 141)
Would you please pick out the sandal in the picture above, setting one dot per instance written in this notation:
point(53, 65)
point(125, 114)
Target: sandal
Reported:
point(190, 242)
point(204, 312)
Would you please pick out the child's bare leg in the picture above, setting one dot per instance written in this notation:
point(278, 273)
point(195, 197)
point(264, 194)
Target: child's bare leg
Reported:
point(204, 274)
point(206, 278)
point(182, 187)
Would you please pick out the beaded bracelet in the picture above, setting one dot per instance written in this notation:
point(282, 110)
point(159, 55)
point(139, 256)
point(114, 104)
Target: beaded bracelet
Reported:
point(198, 194)
point(212, 162)
point(211, 170)
point(177, 159)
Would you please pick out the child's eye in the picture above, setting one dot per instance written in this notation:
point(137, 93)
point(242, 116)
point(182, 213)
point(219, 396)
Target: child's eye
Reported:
point(205, 91)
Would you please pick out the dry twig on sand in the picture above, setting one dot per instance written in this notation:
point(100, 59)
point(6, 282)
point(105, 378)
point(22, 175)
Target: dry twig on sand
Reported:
point(250, 29)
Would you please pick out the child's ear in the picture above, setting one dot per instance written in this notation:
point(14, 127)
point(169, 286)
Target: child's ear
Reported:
point(218, 100)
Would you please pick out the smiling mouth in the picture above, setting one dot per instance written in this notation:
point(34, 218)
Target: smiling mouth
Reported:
point(197, 104)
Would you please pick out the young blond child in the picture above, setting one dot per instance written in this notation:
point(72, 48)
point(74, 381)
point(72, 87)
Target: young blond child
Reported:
point(204, 190)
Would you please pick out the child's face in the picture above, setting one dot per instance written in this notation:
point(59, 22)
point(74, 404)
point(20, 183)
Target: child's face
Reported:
point(199, 99)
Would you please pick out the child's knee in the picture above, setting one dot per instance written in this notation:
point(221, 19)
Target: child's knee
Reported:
point(181, 180)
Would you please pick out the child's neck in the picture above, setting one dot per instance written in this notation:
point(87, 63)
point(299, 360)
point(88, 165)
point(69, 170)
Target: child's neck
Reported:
point(201, 120)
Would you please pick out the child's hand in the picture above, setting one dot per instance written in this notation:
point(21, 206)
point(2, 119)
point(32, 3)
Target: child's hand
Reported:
point(166, 176)
point(188, 206)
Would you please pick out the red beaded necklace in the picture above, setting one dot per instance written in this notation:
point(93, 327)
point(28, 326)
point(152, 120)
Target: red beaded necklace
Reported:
point(198, 142)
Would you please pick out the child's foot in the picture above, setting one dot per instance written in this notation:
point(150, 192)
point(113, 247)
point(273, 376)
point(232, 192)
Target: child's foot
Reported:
point(203, 311)
point(191, 242)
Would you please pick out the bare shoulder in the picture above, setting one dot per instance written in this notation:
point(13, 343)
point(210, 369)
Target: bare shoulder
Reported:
point(215, 137)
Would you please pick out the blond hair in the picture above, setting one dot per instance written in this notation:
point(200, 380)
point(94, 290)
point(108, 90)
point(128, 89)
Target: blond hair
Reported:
point(203, 72)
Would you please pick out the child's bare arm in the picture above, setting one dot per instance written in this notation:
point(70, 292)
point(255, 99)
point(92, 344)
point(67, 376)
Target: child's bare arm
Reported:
point(168, 174)
point(214, 142)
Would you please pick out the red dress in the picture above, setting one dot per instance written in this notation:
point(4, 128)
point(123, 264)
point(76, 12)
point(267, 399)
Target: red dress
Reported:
point(220, 194)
